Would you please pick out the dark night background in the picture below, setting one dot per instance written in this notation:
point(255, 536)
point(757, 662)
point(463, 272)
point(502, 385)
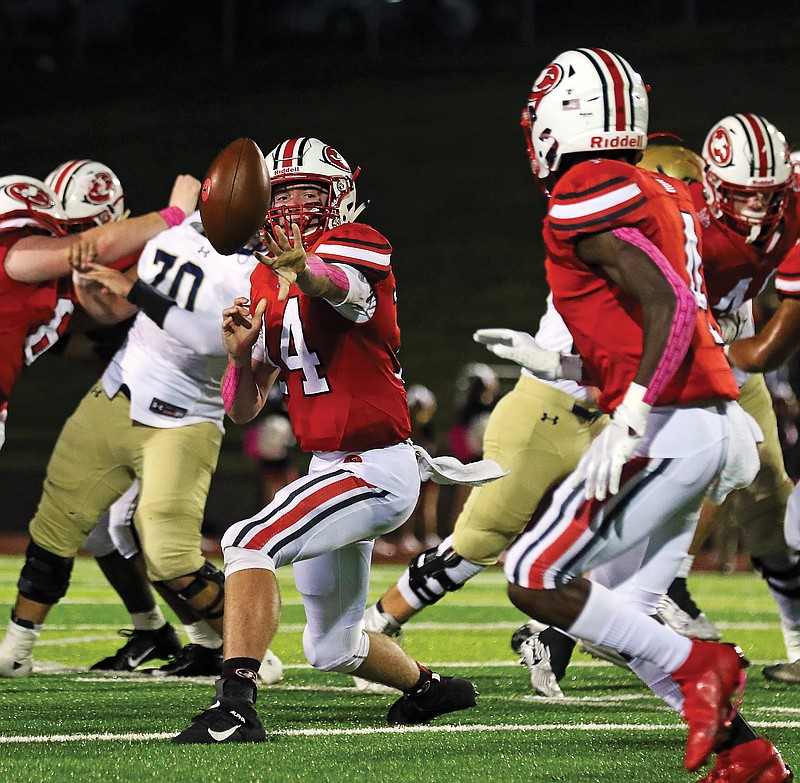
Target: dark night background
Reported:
point(424, 96)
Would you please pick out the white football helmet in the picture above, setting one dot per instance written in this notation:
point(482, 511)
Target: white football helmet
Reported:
point(309, 160)
point(90, 192)
point(26, 201)
point(748, 173)
point(585, 100)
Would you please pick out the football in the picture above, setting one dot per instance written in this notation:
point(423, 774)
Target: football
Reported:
point(235, 196)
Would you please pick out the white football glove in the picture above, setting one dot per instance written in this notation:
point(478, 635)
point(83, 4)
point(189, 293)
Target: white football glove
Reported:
point(731, 325)
point(601, 465)
point(523, 349)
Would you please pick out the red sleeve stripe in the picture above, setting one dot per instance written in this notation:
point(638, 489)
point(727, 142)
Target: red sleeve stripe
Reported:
point(595, 205)
point(347, 251)
point(598, 220)
point(784, 285)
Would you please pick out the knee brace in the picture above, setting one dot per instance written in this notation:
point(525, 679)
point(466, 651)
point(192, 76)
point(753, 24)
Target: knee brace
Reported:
point(438, 571)
point(44, 577)
point(202, 577)
point(784, 581)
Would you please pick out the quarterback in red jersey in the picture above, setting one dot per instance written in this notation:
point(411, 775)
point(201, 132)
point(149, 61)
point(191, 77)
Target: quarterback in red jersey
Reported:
point(37, 257)
point(324, 304)
point(624, 266)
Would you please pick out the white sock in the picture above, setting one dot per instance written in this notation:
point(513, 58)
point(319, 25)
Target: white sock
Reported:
point(380, 622)
point(659, 681)
point(686, 567)
point(608, 621)
point(149, 621)
point(203, 634)
point(20, 640)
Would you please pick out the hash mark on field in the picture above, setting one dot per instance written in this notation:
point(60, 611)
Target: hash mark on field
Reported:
point(327, 732)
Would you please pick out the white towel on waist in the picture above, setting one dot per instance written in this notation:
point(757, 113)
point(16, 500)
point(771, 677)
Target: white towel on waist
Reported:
point(449, 470)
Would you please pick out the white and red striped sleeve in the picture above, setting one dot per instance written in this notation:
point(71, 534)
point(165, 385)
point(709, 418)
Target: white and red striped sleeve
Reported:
point(359, 246)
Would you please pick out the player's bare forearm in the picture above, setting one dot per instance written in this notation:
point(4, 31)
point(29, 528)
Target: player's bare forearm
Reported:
point(639, 277)
point(775, 344)
point(251, 388)
point(320, 285)
point(100, 304)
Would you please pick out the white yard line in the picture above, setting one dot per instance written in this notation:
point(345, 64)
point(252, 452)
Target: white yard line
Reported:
point(327, 732)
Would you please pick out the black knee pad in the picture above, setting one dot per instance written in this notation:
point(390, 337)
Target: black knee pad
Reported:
point(207, 573)
point(785, 581)
point(44, 577)
point(428, 577)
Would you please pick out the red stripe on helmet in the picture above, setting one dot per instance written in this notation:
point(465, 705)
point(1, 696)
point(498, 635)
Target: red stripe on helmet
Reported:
point(619, 86)
point(760, 153)
point(69, 169)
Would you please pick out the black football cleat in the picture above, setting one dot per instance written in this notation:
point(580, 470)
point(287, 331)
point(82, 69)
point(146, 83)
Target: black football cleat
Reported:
point(443, 695)
point(194, 660)
point(231, 718)
point(226, 720)
point(141, 646)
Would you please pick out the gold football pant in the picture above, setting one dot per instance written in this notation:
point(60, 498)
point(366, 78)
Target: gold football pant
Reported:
point(97, 455)
point(539, 434)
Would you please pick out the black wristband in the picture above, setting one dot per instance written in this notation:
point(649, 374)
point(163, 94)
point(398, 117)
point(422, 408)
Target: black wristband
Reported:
point(150, 301)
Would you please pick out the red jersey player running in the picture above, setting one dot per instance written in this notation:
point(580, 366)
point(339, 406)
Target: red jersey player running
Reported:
point(326, 299)
point(625, 271)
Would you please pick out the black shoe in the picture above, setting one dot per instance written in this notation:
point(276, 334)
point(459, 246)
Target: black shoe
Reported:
point(443, 695)
point(226, 720)
point(231, 718)
point(141, 646)
point(194, 660)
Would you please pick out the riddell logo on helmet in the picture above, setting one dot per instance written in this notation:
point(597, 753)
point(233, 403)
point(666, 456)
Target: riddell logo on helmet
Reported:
point(601, 143)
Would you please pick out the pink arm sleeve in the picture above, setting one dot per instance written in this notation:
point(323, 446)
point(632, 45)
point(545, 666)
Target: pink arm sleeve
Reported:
point(333, 273)
point(229, 386)
point(683, 321)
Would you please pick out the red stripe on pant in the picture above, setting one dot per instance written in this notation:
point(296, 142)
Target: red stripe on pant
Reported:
point(577, 527)
point(305, 506)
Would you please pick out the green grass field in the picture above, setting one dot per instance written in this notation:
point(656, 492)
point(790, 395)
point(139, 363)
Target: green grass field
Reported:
point(66, 724)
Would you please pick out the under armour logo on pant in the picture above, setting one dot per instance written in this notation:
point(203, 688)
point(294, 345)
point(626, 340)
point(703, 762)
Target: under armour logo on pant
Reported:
point(554, 419)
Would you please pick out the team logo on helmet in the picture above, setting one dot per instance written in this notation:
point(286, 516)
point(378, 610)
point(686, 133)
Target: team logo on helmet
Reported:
point(720, 149)
point(30, 195)
point(330, 155)
point(100, 188)
point(548, 79)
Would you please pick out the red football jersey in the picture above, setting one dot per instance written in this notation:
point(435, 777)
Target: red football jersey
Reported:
point(787, 278)
point(606, 323)
point(345, 391)
point(32, 317)
point(735, 270)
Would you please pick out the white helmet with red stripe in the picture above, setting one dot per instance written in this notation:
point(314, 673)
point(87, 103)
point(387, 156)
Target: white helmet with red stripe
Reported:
point(586, 100)
point(25, 202)
point(91, 193)
point(748, 173)
point(307, 160)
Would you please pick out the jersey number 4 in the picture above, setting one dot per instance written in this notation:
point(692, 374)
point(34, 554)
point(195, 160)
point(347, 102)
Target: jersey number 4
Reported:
point(295, 353)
